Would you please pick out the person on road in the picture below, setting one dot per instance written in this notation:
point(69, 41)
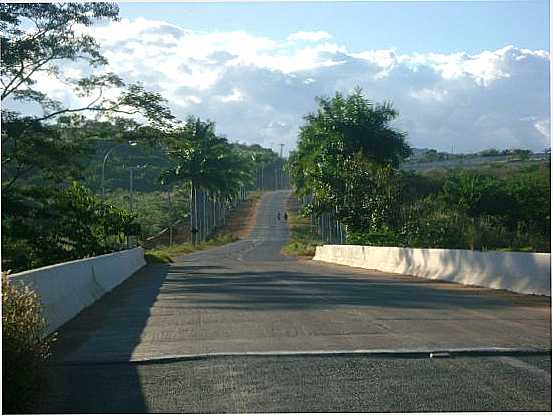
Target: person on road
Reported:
point(278, 216)
point(285, 216)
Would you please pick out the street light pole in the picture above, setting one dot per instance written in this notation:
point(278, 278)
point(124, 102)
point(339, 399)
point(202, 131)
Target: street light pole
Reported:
point(130, 241)
point(131, 169)
point(131, 143)
point(131, 183)
point(104, 171)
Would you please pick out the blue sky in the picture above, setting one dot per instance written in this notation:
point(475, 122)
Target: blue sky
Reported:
point(432, 26)
point(467, 75)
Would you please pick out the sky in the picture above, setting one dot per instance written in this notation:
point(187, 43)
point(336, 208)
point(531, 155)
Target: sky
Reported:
point(430, 26)
point(464, 76)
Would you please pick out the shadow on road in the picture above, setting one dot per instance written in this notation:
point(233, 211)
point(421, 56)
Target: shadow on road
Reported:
point(111, 328)
point(271, 290)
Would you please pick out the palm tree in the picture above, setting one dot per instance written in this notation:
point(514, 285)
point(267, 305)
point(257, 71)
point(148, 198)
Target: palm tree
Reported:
point(215, 170)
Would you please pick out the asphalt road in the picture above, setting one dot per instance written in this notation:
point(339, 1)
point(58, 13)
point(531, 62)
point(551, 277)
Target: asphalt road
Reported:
point(173, 338)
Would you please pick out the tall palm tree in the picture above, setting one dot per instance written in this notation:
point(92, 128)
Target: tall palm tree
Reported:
point(215, 170)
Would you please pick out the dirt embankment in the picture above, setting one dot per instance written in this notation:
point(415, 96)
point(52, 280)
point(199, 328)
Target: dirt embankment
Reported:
point(242, 219)
point(240, 222)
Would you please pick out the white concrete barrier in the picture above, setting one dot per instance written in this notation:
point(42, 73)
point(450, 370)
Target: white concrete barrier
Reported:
point(521, 272)
point(67, 288)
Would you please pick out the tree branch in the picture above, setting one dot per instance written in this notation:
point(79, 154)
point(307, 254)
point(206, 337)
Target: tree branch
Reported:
point(7, 91)
point(97, 109)
point(19, 173)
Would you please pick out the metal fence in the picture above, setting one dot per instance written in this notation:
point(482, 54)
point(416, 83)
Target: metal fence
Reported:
point(326, 226)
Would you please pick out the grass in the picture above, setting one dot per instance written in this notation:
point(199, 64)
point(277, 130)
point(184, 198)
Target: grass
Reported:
point(165, 254)
point(302, 240)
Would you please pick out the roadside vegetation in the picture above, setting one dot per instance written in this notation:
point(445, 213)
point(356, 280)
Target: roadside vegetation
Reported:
point(66, 171)
point(347, 165)
point(25, 348)
point(238, 223)
point(303, 236)
point(80, 181)
point(165, 254)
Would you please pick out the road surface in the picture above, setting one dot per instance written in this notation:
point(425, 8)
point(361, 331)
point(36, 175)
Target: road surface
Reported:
point(241, 328)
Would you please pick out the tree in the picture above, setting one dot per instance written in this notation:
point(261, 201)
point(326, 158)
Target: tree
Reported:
point(209, 163)
point(265, 163)
point(37, 39)
point(46, 218)
point(47, 226)
point(343, 148)
point(373, 203)
point(476, 194)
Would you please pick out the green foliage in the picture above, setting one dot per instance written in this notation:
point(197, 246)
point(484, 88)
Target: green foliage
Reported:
point(489, 153)
point(25, 349)
point(474, 193)
point(157, 258)
point(154, 210)
point(42, 227)
point(481, 211)
point(417, 186)
point(529, 194)
point(430, 223)
point(342, 128)
point(463, 209)
point(433, 155)
point(166, 253)
point(206, 160)
point(380, 238)
point(303, 240)
point(37, 36)
point(512, 153)
point(44, 220)
point(346, 156)
point(36, 39)
point(370, 202)
point(301, 248)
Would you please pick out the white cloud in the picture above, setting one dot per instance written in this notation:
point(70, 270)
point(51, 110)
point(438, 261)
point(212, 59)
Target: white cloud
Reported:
point(236, 96)
point(428, 94)
point(491, 99)
point(309, 36)
point(544, 127)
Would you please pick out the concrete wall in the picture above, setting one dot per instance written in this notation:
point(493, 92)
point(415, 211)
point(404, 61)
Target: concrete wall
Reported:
point(65, 289)
point(526, 273)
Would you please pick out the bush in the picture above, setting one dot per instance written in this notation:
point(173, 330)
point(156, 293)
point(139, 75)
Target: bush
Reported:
point(157, 258)
point(47, 226)
point(25, 349)
point(303, 241)
point(381, 238)
point(431, 223)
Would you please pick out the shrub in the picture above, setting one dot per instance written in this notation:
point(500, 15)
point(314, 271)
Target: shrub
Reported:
point(24, 347)
point(157, 258)
point(303, 240)
point(381, 238)
point(429, 223)
point(47, 226)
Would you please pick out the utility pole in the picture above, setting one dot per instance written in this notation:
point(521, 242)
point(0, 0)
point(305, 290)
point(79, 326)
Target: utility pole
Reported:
point(131, 189)
point(281, 147)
